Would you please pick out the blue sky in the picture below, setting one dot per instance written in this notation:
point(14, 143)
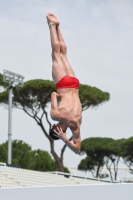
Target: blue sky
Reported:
point(99, 38)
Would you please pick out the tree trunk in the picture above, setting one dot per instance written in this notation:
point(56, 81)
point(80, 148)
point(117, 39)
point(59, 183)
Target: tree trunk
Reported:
point(60, 166)
point(110, 174)
point(58, 160)
point(97, 173)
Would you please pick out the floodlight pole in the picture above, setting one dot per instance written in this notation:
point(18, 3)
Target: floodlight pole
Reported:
point(10, 125)
point(12, 79)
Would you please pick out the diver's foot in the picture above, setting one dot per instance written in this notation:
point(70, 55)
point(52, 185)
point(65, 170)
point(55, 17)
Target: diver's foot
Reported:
point(52, 19)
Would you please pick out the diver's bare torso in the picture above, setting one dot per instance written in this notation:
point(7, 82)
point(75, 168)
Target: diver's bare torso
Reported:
point(69, 110)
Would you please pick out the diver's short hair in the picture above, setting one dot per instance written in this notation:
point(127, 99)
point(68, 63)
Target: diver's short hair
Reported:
point(52, 134)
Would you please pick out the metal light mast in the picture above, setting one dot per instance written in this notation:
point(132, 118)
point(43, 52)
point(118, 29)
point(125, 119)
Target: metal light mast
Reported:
point(12, 79)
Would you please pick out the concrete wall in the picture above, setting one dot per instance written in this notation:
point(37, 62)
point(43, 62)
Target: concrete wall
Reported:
point(85, 192)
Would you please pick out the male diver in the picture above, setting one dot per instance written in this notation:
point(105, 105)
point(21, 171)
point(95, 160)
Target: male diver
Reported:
point(68, 112)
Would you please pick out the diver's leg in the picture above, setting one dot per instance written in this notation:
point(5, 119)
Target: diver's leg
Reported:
point(58, 68)
point(63, 51)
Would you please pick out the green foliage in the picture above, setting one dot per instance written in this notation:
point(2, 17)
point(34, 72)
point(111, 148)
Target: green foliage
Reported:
point(92, 96)
point(100, 152)
point(25, 157)
point(4, 97)
point(66, 170)
point(103, 175)
point(3, 152)
point(20, 153)
point(127, 152)
point(2, 83)
point(35, 94)
point(127, 148)
point(97, 147)
point(89, 163)
point(42, 161)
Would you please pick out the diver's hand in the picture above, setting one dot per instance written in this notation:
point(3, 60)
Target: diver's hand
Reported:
point(60, 133)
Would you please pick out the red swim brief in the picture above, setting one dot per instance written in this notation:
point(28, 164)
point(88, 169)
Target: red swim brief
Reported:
point(68, 82)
